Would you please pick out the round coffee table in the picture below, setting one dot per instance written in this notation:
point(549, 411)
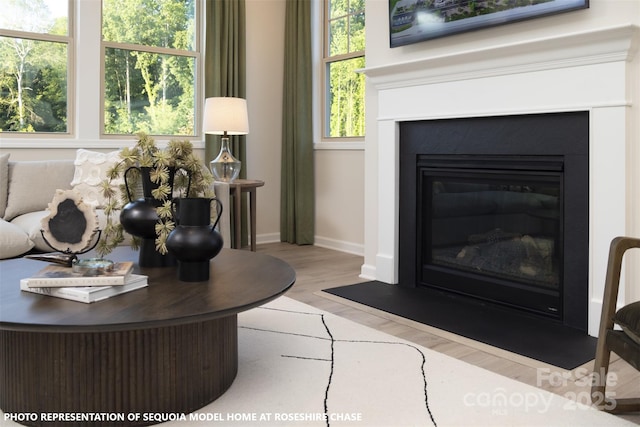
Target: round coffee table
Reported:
point(170, 348)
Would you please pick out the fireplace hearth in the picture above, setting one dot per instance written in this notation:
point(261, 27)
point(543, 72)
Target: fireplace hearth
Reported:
point(496, 209)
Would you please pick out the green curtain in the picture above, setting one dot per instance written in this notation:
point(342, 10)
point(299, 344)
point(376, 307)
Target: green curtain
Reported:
point(297, 192)
point(225, 73)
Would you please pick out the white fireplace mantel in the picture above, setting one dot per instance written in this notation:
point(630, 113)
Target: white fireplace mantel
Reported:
point(563, 51)
point(592, 71)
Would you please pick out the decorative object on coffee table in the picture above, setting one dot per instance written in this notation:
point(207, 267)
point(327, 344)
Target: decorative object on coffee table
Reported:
point(71, 224)
point(194, 241)
point(70, 228)
point(162, 172)
point(140, 216)
point(225, 116)
point(107, 273)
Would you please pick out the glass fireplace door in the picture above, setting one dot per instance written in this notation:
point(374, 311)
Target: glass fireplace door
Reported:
point(493, 233)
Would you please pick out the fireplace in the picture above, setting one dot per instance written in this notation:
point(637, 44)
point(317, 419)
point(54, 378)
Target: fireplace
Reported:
point(496, 208)
point(589, 71)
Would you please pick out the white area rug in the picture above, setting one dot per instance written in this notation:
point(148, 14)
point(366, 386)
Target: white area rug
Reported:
point(299, 366)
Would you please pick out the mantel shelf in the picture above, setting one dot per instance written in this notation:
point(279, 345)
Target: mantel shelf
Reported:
point(612, 44)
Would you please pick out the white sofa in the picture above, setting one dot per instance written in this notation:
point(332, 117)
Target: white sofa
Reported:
point(27, 187)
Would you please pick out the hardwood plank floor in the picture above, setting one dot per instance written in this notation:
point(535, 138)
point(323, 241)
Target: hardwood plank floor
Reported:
point(319, 268)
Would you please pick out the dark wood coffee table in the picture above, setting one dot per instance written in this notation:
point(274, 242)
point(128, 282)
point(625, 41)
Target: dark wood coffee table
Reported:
point(170, 348)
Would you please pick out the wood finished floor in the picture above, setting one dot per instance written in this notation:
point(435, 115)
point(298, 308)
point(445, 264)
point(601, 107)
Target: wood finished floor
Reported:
point(319, 268)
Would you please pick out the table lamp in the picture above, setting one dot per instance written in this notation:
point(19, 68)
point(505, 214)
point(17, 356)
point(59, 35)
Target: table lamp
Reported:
point(225, 116)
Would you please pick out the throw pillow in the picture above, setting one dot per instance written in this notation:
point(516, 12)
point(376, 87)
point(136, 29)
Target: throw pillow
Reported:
point(4, 182)
point(32, 185)
point(628, 317)
point(13, 240)
point(29, 223)
point(91, 169)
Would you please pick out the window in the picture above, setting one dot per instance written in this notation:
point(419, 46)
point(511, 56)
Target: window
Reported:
point(344, 44)
point(150, 66)
point(35, 52)
point(135, 67)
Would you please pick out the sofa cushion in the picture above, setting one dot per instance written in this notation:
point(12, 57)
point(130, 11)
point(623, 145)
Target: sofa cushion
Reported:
point(628, 317)
point(13, 240)
point(32, 185)
point(30, 224)
point(90, 170)
point(4, 182)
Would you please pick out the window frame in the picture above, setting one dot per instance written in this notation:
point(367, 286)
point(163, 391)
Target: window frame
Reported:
point(327, 141)
point(70, 41)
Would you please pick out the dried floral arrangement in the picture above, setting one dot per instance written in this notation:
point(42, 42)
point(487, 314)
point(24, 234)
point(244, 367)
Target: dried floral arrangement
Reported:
point(192, 179)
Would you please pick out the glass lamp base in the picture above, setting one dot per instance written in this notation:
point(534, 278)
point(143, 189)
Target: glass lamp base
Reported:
point(225, 167)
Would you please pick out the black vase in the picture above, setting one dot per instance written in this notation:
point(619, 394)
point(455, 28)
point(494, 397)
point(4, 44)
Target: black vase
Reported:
point(139, 218)
point(194, 241)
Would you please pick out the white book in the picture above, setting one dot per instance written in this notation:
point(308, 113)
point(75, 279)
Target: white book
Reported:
point(89, 294)
point(60, 276)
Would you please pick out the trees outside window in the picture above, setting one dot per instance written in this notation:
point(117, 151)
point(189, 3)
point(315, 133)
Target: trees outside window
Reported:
point(344, 44)
point(34, 61)
point(149, 78)
point(150, 66)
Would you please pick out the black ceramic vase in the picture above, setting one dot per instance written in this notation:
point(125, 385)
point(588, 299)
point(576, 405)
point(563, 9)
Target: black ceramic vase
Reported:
point(194, 241)
point(139, 218)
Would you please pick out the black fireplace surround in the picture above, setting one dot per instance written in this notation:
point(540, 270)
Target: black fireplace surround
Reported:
point(497, 209)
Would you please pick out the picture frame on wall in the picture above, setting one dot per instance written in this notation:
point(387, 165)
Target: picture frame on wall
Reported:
point(413, 21)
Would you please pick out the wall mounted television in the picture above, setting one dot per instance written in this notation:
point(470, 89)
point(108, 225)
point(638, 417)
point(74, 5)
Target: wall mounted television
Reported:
point(412, 21)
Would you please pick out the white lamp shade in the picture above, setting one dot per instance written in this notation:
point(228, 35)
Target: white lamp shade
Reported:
point(226, 114)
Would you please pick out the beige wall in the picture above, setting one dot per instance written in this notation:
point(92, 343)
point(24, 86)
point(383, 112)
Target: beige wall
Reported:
point(340, 199)
point(40, 153)
point(265, 64)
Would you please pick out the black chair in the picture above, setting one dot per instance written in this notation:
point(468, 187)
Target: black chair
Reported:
point(626, 342)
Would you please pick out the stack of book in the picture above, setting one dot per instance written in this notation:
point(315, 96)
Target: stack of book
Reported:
point(63, 282)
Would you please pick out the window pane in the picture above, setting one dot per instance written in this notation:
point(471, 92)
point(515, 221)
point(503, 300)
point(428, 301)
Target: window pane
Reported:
point(166, 23)
point(356, 33)
point(338, 8)
point(356, 6)
point(33, 86)
point(149, 92)
point(346, 27)
point(346, 98)
point(338, 37)
point(35, 16)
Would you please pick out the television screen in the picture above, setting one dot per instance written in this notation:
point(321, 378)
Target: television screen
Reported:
point(412, 21)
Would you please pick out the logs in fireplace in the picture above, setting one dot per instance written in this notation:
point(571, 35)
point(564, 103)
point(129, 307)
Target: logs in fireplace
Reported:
point(496, 209)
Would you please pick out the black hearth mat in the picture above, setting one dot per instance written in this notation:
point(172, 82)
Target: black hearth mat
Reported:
point(524, 334)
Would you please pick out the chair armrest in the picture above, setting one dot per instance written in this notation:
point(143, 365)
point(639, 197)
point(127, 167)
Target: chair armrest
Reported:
point(608, 339)
point(617, 249)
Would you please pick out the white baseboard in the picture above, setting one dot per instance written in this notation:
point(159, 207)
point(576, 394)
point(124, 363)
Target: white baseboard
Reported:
point(368, 271)
point(267, 238)
point(340, 245)
point(323, 242)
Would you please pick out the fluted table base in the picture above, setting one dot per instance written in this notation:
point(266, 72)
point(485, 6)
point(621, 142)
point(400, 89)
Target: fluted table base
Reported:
point(125, 378)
